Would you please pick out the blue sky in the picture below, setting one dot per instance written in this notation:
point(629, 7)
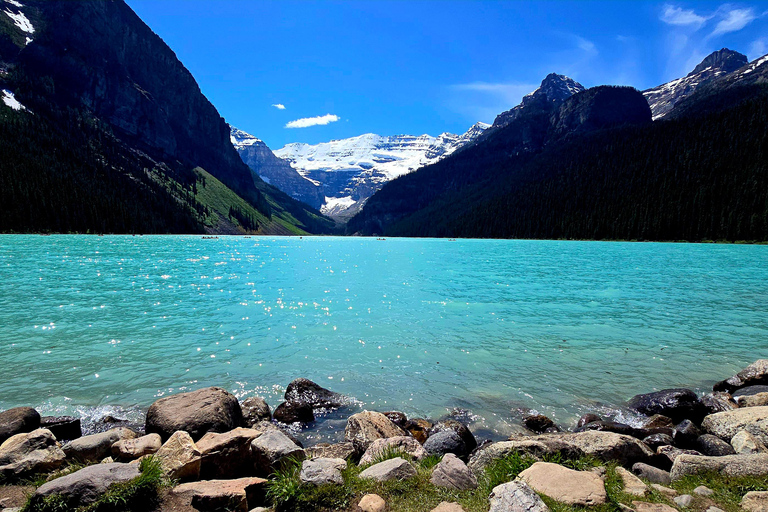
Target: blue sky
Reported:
point(278, 69)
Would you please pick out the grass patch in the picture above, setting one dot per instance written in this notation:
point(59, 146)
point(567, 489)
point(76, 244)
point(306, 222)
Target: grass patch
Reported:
point(728, 489)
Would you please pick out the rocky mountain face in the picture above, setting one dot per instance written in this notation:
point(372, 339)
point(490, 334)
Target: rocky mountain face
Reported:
point(553, 89)
point(340, 175)
point(663, 98)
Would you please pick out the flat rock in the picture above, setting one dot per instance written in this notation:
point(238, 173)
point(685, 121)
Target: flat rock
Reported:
point(755, 501)
point(755, 373)
point(130, 449)
point(179, 457)
point(331, 451)
point(88, 484)
point(227, 455)
point(666, 491)
point(391, 469)
point(95, 447)
point(307, 392)
point(672, 453)
point(643, 506)
point(197, 413)
point(372, 503)
point(18, 420)
point(404, 444)
point(678, 404)
point(452, 473)
point(255, 409)
point(729, 465)
point(365, 427)
point(726, 424)
point(714, 509)
point(322, 471)
point(63, 427)
point(448, 506)
point(516, 496)
point(28, 453)
point(744, 442)
point(632, 484)
point(713, 446)
point(238, 495)
point(703, 491)
point(756, 400)
point(565, 485)
point(271, 450)
point(683, 500)
point(651, 473)
point(444, 442)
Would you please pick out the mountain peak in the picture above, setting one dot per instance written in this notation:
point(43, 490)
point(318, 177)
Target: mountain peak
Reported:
point(722, 60)
point(553, 89)
point(240, 138)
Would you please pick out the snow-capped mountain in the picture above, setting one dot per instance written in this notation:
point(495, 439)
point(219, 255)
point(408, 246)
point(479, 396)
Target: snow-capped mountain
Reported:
point(663, 98)
point(339, 176)
point(554, 88)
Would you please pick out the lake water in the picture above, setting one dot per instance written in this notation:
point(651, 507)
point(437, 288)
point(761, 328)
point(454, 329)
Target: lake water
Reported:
point(106, 325)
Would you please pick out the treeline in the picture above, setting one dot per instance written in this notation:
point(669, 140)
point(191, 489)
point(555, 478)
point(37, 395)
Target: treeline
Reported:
point(700, 177)
point(243, 218)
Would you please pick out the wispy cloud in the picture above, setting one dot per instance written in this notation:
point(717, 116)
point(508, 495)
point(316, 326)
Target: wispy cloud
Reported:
point(306, 122)
point(734, 20)
point(758, 48)
point(279, 106)
point(672, 15)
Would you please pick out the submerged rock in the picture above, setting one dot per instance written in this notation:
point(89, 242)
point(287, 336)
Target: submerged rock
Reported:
point(678, 404)
point(306, 392)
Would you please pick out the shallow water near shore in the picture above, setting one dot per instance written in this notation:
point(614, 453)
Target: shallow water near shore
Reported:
point(106, 325)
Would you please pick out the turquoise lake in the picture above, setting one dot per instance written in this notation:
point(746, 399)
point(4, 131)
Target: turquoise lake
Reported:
point(106, 325)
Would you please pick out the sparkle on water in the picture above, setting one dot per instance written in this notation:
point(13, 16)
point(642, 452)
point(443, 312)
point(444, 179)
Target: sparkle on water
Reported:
point(106, 325)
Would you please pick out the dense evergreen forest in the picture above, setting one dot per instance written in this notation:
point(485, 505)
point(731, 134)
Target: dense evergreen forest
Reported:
point(700, 176)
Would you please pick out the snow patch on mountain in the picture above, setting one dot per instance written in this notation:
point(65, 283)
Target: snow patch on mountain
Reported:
point(241, 139)
point(19, 19)
point(10, 101)
point(754, 65)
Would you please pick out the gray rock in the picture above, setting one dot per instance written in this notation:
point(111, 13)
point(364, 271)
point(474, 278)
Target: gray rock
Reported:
point(18, 420)
point(130, 449)
point(726, 424)
point(750, 391)
point(227, 455)
point(755, 373)
point(29, 453)
point(678, 404)
point(322, 471)
point(444, 442)
point(672, 453)
point(63, 427)
point(391, 469)
point(197, 413)
point(703, 491)
point(365, 427)
point(305, 391)
point(642, 506)
point(714, 509)
point(516, 496)
point(755, 501)
point(713, 446)
point(666, 491)
point(331, 451)
point(404, 444)
point(461, 429)
point(744, 442)
point(684, 500)
point(656, 440)
point(652, 474)
point(271, 450)
point(728, 465)
point(86, 485)
point(294, 412)
point(255, 409)
point(452, 473)
point(95, 447)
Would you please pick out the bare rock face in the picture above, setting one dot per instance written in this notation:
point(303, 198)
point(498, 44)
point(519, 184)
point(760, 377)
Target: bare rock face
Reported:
point(365, 427)
point(239, 495)
point(227, 455)
point(88, 484)
point(130, 449)
point(95, 447)
point(29, 453)
point(197, 413)
point(726, 424)
point(179, 457)
point(405, 444)
point(391, 469)
point(516, 496)
point(17, 421)
point(728, 465)
point(452, 473)
point(565, 485)
point(754, 374)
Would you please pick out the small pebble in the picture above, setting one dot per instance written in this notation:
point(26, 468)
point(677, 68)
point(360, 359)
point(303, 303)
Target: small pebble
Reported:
point(703, 491)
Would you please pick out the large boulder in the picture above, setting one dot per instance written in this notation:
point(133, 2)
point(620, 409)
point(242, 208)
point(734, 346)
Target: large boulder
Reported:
point(86, 485)
point(255, 409)
point(227, 455)
point(678, 404)
point(18, 421)
point(461, 429)
point(29, 453)
point(583, 488)
point(726, 424)
point(755, 373)
point(307, 392)
point(294, 412)
point(728, 465)
point(391, 469)
point(516, 496)
point(179, 457)
point(452, 473)
point(685, 434)
point(404, 444)
point(131, 449)
point(272, 450)
point(239, 495)
point(444, 442)
point(365, 427)
point(322, 471)
point(63, 427)
point(651, 473)
point(713, 446)
point(197, 413)
point(718, 401)
point(95, 447)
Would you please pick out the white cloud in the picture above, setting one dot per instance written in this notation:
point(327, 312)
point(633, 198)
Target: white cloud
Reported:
point(758, 48)
point(586, 45)
point(313, 121)
point(279, 106)
point(734, 20)
point(678, 16)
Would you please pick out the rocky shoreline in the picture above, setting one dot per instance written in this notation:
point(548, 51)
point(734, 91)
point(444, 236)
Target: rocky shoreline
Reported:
point(221, 450)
